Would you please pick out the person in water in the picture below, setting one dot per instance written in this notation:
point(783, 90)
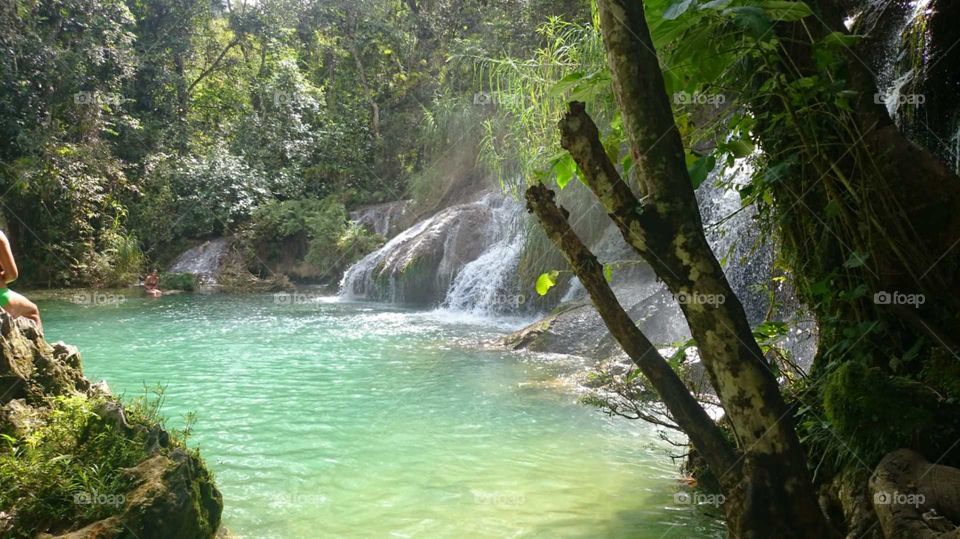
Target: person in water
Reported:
point(151, 284)
point(11, 302)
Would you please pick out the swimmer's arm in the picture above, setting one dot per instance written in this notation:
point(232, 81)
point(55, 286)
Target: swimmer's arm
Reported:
point(8, 268)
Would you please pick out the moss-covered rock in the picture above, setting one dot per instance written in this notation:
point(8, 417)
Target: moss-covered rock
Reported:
point(877, 412)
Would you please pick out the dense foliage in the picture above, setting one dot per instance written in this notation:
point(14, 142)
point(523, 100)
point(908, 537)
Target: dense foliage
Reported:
point(148, 124)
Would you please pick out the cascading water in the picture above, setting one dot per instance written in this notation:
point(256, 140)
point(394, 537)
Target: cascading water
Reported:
point(203, 260)
point(735, 238)
point(898, 71)
point(442, 257)
point(488, 286)
point(358, 282)
point(910, 48)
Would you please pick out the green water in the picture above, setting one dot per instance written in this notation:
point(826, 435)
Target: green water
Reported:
point(326, 419)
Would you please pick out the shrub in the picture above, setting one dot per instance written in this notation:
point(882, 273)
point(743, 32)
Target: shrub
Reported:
point(71, 456)
point(119, 263)
point(333, 242)
point(858, 401)
point(178, 281)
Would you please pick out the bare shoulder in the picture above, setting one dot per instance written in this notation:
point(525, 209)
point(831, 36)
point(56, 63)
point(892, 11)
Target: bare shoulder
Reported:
point(3, 237)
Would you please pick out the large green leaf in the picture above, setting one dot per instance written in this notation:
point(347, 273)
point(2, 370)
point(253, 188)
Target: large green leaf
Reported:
point(546, 281)
point(565, 168)
point(752, 18)
point(699, 168)
point(740, 148)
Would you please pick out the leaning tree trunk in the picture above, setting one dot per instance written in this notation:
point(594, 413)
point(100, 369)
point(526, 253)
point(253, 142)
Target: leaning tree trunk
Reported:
point(773, 495)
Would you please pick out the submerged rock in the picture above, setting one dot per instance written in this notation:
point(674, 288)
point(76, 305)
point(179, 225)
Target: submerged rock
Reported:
point(171, 492)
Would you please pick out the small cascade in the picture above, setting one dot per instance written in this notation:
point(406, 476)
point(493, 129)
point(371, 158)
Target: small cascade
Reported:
point(420, 264)
point(736, 240)
point(900, 70)
point(203, 260)
point(358, 281)
point(910, 48)
point(488, 285)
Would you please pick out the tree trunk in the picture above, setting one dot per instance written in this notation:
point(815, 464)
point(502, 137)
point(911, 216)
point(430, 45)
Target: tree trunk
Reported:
point(775, 496)
point(684, 408)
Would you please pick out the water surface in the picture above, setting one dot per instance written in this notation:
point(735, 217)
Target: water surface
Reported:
point(327, 419)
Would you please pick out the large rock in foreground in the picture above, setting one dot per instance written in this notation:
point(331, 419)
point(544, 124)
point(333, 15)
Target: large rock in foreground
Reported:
point(168, 490)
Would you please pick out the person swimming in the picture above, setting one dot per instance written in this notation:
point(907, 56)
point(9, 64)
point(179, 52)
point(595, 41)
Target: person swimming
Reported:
point(10, 301)
point(151, 284)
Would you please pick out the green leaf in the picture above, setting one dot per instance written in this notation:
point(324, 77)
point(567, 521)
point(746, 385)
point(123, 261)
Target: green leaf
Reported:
point(565, 168)
point(786, 10)
point(677, 9)
point(700, 168)
point(832, 209)
point(566, 83)
point(820, 288)
point(856, 260)
point(716, 4)
point(546, 281)
point(752, 18)
point(740, 148)
point(835, 39)
point(608, 273)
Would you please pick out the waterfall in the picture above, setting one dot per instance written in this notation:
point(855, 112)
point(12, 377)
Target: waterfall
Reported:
point(202, 260)
point(894, 75)
point(488, 286)
point(736, 239)
point(447, 259)
point(358, 281)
